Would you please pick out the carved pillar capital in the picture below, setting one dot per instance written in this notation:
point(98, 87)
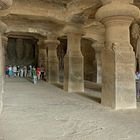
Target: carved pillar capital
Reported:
point(109, 1)
point(51, 41)
point(3, 27)
point(98, 46)
point(123, 9)
point(74, 28)
point(52, 36)
point(5, 4)
point(117, 20)
point(74, 31)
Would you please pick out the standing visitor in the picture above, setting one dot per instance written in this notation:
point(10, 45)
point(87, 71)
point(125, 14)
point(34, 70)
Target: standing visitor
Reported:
point(14, 71)
point(18, 70)
point(38, 72)
point(34, 75)
point(10, 71)
point(30, 71)
point(25, 71)
point(21, 72)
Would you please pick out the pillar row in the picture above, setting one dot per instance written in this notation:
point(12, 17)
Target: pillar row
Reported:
point(73, 60)
point(118, 59)
point(53, 62)
point(98, 52)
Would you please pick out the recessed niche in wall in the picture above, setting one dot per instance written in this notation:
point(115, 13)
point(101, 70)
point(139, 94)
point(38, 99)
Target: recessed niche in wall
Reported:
point(20, 51)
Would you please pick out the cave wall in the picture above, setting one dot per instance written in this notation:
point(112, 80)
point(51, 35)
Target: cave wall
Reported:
point(90, 66)
point(21, 51)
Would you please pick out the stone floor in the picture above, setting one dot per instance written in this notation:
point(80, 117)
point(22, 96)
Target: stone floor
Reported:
point(45, 112)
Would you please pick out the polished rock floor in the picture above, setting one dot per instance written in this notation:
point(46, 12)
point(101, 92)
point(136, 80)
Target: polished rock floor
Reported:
point(46, 112)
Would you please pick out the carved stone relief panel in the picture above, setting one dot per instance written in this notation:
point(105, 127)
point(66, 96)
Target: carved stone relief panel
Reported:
point(20, 51)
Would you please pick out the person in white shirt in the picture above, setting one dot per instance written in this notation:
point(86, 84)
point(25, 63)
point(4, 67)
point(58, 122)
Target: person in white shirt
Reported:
point(136, 76)
point(14, 70)
point(21, 72)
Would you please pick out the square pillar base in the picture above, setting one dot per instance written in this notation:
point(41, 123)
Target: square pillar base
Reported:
point(73, 73)
point(118, 86)
point(53, 71)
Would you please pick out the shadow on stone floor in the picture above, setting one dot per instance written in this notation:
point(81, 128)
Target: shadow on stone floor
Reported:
point(29, 79)
point(87, 94)
point(17, 79)
point(58, 85)
point(93, 86)
point(91, 97)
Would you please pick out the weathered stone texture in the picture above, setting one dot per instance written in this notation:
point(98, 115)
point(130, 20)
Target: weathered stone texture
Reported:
point(20, 52)
point(118, 58)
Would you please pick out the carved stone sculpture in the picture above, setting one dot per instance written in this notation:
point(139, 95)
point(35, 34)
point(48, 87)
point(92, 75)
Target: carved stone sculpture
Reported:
point(21, 52)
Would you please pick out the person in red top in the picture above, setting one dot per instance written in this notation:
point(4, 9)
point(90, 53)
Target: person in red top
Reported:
point(38, 72)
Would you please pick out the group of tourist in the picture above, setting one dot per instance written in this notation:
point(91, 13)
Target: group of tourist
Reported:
point(16, 71)
point(25, 71)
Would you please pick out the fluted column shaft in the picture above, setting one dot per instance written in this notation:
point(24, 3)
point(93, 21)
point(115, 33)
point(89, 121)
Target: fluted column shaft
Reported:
point(118, 59)
point(53, 62)
point(73, 61)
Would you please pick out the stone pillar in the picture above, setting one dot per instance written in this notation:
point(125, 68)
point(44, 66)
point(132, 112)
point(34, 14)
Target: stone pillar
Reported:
point(98, 50)
point(4, 52)
point(73, 60)
point(135, 41)
point(4, 4)
point(53, 62)
point(3, 28)
point(118, 59)
point(5, 45)
point(42, 55)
